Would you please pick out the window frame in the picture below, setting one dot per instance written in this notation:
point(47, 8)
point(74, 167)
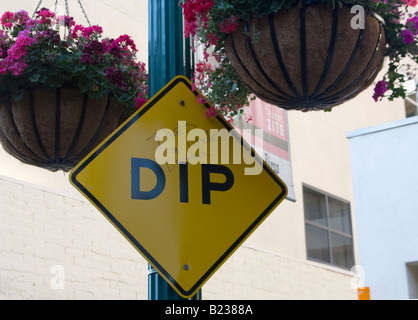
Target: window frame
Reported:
point(328, 227)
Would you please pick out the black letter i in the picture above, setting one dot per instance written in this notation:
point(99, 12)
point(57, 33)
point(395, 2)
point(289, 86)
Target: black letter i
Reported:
point(184, 182)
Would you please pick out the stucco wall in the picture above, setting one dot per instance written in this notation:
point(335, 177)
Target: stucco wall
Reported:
point(384, 160)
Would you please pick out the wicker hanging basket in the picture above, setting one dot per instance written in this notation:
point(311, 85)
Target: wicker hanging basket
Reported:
point(307, 58)
point(55, 130)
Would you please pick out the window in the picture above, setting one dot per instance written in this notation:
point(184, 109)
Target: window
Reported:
point(412, 278)
point(411, 99)
point(329, 236)
point(411, 105)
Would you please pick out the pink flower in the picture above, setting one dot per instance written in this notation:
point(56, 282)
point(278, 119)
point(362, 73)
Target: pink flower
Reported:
point(7, 19)
point(211, 112)
point(196, 15)
point(142, 67)
point(45, 16)
point(66, 21)
point(407, 36)
point(31, 23)
point(229, 25)
point(15, 60)
point(21, 17)
point(190, 28)
point(113, 47)
point(412, 24)
point(194, 87)
point(127, 42)
point(17, 68)
point(212, 39)
point(4, 46)
point(76, 29)
point(411, 3)
point(116, 76)
point(140, 101)
point(86, 32)
point(200, 99)
point(3, 37)
point(380, 89)
point(93, 52)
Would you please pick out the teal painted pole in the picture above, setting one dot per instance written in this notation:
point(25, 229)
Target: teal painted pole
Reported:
point(169, 55)
point(167, 49)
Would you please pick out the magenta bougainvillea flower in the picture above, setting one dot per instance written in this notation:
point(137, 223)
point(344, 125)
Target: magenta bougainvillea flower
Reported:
point(380, 89)
point(407, 36)
point(195, 13)
point(411, 3)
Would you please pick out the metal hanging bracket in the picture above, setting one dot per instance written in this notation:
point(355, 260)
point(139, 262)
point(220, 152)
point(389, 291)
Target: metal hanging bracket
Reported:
point(67, 10)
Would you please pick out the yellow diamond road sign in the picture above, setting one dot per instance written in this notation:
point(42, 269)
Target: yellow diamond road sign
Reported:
point(180, 192)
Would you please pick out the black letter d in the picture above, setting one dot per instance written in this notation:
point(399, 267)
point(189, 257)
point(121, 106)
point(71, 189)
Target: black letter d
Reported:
point(136, 193)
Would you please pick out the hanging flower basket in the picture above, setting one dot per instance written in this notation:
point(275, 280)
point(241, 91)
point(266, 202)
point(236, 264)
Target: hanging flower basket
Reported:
point(55, 130)
point(63, 88)
point(307, 58)
point(301, 54)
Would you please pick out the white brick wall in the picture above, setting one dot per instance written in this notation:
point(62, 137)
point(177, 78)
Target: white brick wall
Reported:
point(41, 229)
point(253, 273)
point(46, 236)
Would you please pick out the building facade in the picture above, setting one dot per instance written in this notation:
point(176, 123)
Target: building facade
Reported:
point(383, 158)
point(55, 245)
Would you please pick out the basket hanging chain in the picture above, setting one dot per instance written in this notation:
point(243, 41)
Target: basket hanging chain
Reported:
point(37, 8)
point(67, 10)
point(84, 12)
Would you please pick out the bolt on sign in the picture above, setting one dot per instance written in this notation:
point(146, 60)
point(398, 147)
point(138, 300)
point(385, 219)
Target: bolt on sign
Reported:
point(184, 189)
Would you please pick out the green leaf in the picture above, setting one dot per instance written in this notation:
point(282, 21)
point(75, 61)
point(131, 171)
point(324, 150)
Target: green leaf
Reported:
point(19, 94)
point(35, 77)
point(84, 84)
point(277, 5)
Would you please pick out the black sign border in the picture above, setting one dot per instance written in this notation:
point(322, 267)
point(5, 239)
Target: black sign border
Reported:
point(157, 266)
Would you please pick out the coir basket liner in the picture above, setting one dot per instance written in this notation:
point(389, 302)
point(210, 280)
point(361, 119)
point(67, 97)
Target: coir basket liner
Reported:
point(307, 58)
point(55, 130)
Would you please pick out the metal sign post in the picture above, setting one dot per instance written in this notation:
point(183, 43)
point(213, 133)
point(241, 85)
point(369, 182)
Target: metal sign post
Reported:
point(169, 56)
